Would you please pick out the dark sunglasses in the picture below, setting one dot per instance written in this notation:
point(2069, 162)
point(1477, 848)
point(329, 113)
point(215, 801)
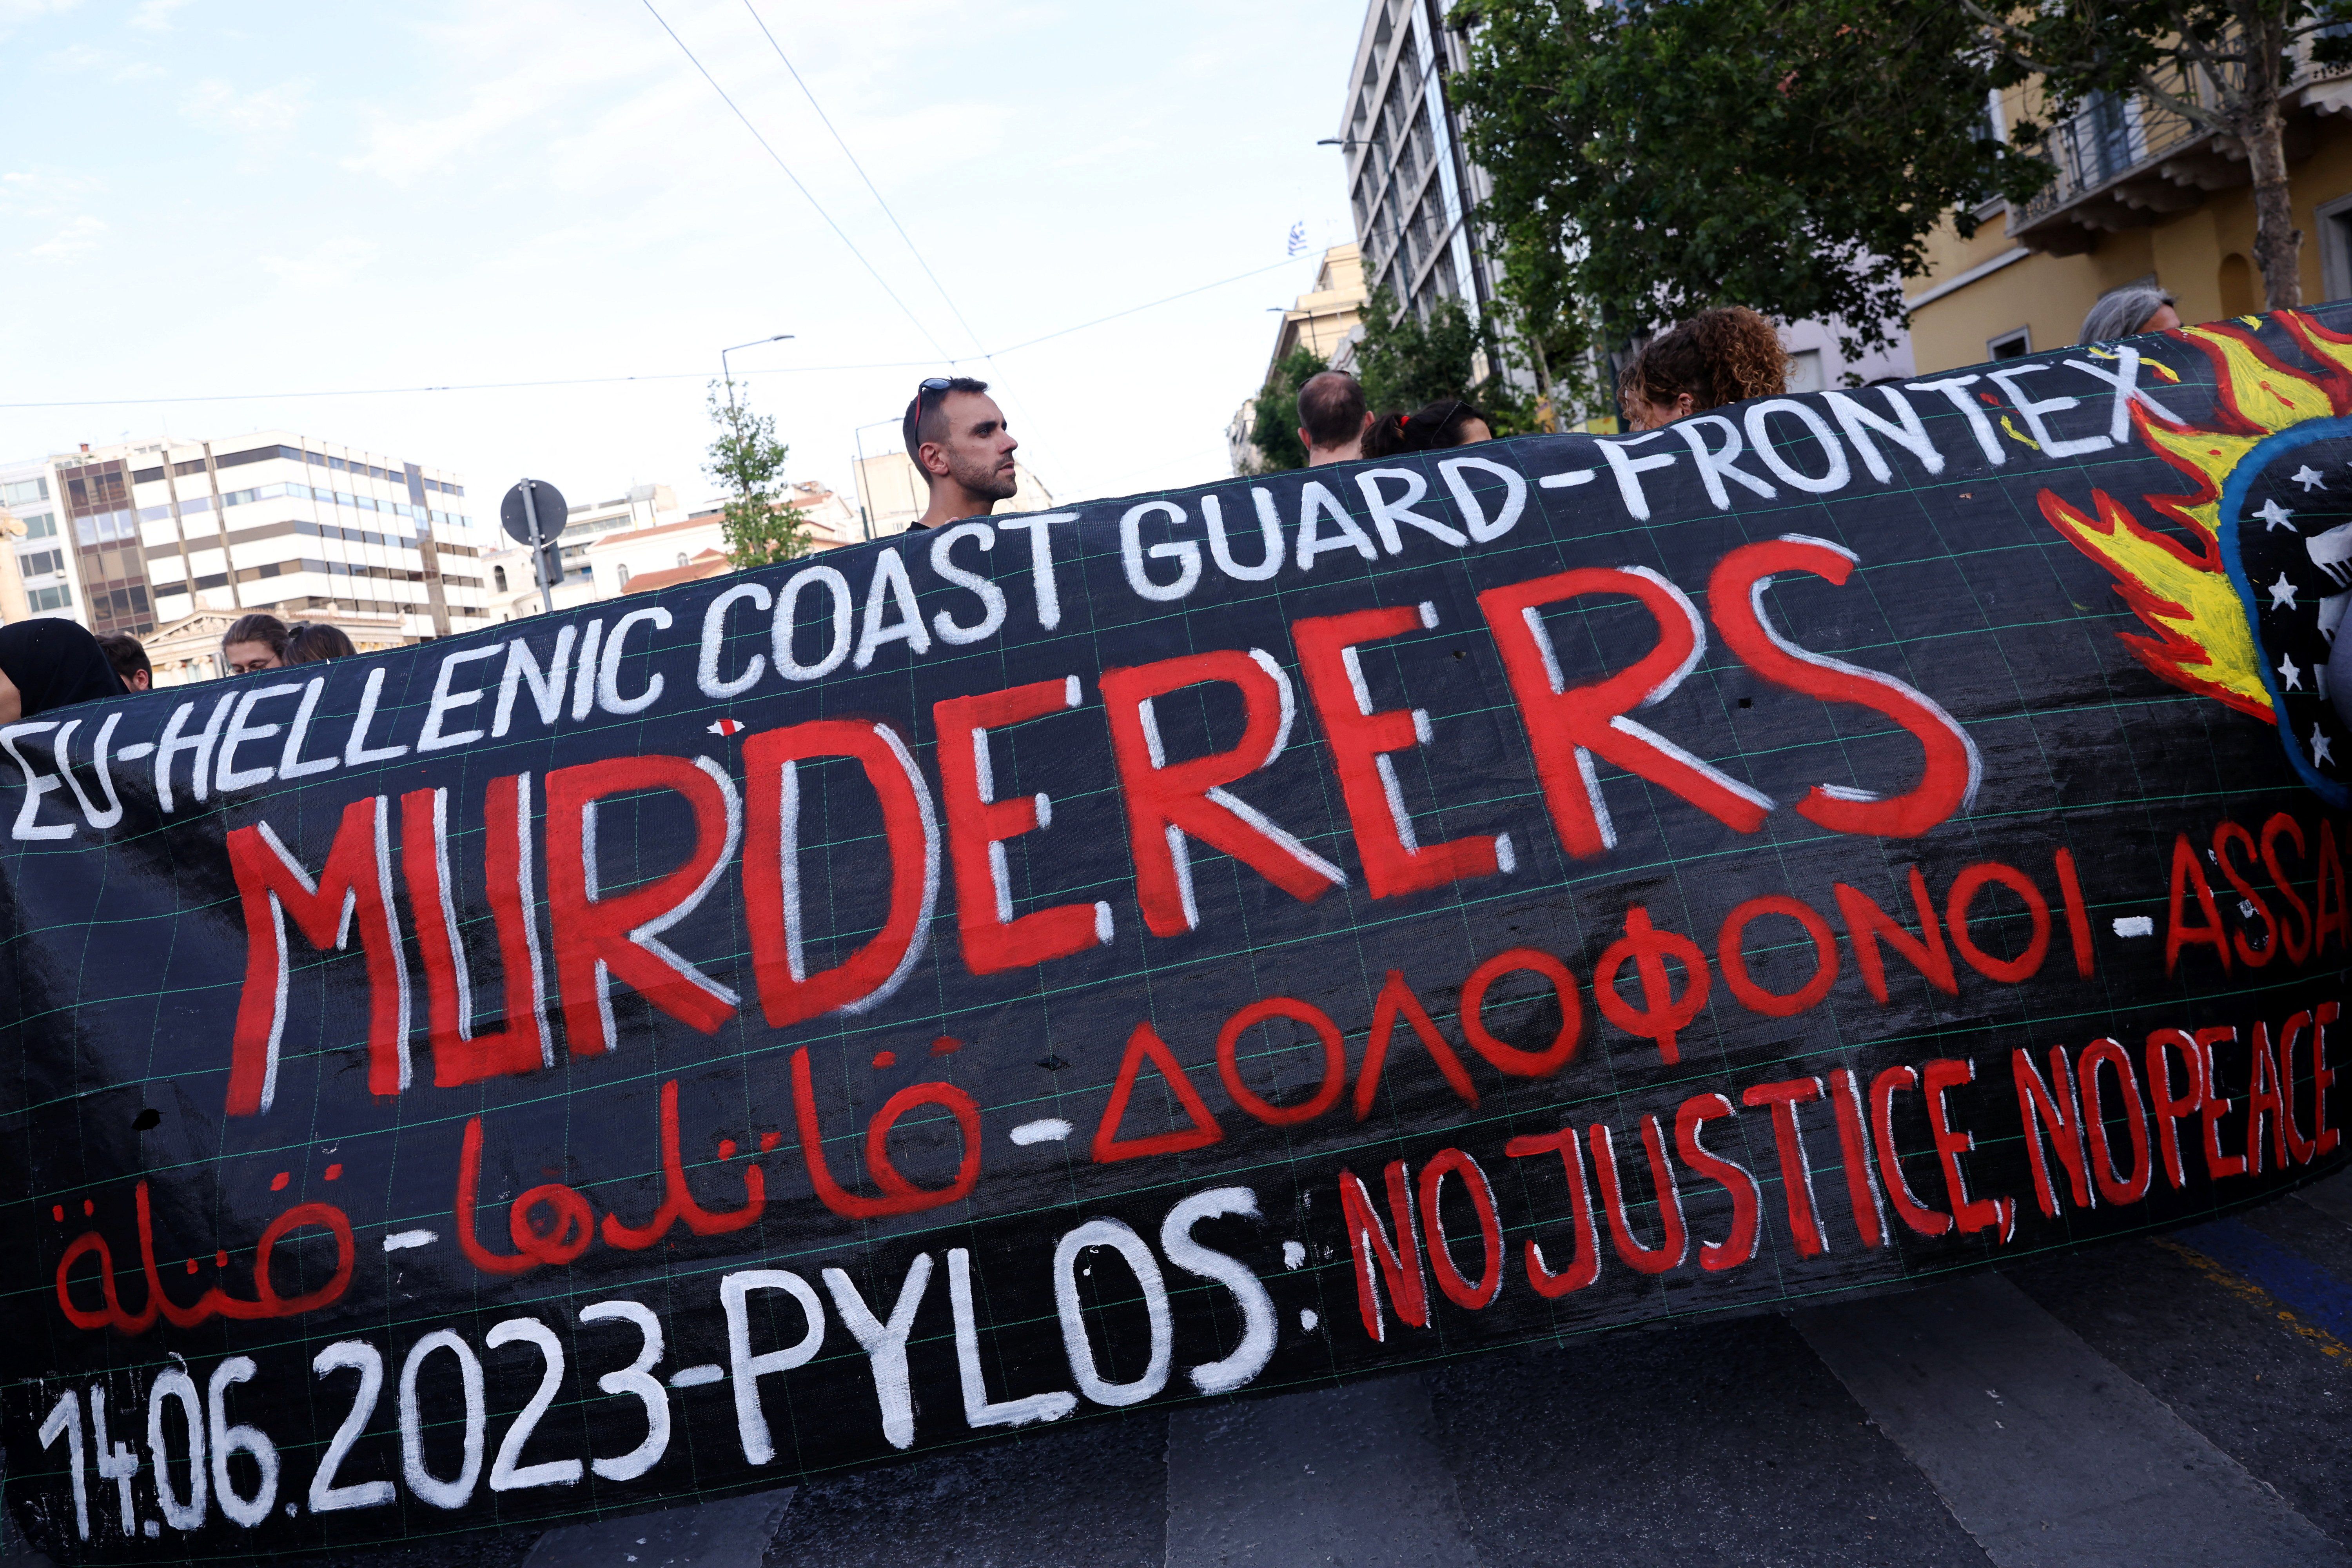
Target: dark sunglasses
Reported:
point(930, 387)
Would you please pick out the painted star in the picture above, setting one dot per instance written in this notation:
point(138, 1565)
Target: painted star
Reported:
point(2275, 515)
point(2319, 747)
point(2308, 478)
point(2282, 594)
point(2290, 673)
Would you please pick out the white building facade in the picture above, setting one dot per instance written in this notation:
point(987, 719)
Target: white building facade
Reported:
point(134, 536)
point(1416, 193)
point(29, 492)
point(607, 545)
point(514, 583)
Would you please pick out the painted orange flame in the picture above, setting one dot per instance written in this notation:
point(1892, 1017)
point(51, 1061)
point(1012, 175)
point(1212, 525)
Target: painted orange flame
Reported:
point(2174, 580)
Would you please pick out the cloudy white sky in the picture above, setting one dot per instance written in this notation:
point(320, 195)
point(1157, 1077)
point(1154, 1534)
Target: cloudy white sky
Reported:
point(200, 199)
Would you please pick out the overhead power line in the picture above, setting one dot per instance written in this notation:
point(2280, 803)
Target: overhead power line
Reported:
point(1131, 310)
point(796, 179)
point(466, 387)
point(878, 198)
point(614, 380)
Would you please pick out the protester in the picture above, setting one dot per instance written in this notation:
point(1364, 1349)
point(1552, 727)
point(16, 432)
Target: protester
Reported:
point(1718, 356)
point(128, 658)
point(1448, 422)
point(1332, 418)
point(254, 642)
point(955, 433)
point(307, 642)
point(49, 663)
point(2127, 312)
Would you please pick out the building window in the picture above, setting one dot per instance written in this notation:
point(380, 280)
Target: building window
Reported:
point(1805, 371)
point(2010, 345)
point(26, 491)
point(49, 598)
point(624, 574)
point(2105, 137)
point(500, 574)
point(41, 525)
point(681, 557)
point(2335, 248)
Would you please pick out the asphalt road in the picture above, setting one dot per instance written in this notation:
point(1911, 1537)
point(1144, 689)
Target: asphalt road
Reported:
point(2184, 1400)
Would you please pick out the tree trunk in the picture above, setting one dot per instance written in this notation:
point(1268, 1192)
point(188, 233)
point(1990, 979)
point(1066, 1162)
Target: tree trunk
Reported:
point(2278, 244)
point(1547, 407)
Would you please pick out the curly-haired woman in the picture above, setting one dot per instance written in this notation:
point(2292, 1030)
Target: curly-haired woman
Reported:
point(1716, 357)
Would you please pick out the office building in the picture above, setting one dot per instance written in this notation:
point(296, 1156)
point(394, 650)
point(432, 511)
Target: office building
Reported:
point(29, 492)
point(1412, 190)
point(1416, 195)
point(135, 536)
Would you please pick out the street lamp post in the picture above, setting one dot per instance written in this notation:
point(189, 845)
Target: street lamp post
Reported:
point(726, 375)
point(865, 513)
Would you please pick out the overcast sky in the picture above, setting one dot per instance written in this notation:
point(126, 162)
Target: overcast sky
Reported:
point(201, 199)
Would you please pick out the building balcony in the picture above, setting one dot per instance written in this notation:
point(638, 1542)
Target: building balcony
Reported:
point(2123, 163)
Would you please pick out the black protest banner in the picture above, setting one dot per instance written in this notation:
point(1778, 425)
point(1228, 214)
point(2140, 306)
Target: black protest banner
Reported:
point(1181, 946)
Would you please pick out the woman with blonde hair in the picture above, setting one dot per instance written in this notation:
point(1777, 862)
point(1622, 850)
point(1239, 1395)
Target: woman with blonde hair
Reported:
point(1718, 356)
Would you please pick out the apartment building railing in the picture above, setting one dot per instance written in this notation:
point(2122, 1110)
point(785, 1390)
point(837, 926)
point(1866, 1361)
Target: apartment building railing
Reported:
point(2113, 137)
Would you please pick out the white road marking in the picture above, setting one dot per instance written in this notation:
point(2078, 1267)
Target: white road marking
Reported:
point(2071, 1462)
point(1342, 1475)
point(733, 1533)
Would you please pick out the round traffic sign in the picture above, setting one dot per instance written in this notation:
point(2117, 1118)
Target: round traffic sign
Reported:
point(546, 501)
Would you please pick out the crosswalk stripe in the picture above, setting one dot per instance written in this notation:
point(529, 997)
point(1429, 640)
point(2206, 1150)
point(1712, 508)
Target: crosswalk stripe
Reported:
point(2043, 1449)
point(731, 1533)
point(1343, 1475)
point(2332, 1196)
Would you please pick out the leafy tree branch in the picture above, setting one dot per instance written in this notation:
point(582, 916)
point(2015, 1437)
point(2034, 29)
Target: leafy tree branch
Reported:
point(759, 525)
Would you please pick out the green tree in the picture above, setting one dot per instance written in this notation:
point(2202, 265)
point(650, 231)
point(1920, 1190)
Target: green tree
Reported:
point(760, 527)
point(2222, 66)
point(1790, 155)
point(1274, 428)
point(1550, 330)
point(1405, 361)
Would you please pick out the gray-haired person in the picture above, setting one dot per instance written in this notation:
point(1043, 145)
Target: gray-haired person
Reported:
point(2127, 312)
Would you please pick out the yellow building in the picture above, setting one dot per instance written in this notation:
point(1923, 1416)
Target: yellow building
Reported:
point(1321, 319)
point(1327, 313)
point(2142, 196)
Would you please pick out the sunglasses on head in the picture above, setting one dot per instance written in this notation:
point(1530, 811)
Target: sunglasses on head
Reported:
point(930, 387)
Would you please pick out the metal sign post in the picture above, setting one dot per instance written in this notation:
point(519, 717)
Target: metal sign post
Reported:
point(519, 514)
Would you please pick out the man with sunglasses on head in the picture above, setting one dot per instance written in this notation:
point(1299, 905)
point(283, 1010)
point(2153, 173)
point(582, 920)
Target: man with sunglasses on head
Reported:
point(956, 434)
